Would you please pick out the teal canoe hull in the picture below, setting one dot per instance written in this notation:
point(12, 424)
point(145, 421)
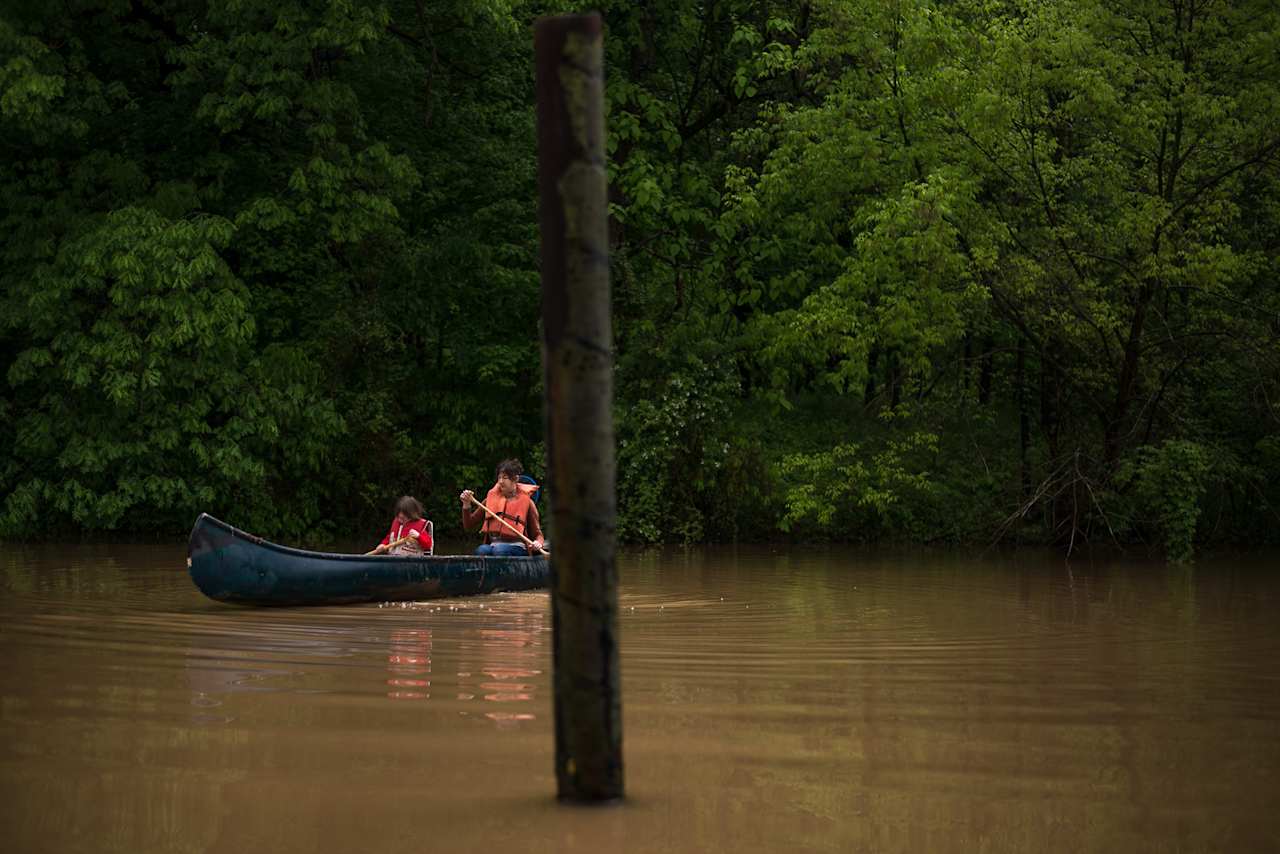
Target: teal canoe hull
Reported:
point(232, 566)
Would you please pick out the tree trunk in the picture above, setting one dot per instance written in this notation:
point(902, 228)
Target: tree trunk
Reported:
point(1024, 419)
point(1126, 384)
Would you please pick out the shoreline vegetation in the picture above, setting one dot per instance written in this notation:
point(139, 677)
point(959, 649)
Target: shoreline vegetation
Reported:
point(948, 273)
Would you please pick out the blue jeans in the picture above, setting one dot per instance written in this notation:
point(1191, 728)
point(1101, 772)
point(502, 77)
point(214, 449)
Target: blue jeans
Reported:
point(503, 549)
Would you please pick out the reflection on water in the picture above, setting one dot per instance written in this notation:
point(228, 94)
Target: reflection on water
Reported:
point(409, 664)
point(804, 700)
point(493, 665)
point(508, 661)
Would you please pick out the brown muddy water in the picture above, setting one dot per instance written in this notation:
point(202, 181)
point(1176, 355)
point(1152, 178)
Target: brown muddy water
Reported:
point(797, 700)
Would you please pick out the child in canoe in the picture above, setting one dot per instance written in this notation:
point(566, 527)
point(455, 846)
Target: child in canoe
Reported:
point(507, 502)
point(410, 534)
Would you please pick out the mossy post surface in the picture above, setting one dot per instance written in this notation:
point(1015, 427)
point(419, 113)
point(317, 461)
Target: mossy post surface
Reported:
point(578, 363)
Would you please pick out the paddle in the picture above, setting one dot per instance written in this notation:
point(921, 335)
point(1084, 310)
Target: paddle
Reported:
point(528, 542)
point(391, 545)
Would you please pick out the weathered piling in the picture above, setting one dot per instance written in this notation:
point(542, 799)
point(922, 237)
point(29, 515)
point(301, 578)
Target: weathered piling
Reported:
point(577, 358)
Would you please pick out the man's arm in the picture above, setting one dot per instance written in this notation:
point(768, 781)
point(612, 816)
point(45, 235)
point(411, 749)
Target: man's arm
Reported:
point(470, 513)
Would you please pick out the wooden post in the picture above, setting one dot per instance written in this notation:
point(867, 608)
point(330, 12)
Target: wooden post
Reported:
point(577, 358)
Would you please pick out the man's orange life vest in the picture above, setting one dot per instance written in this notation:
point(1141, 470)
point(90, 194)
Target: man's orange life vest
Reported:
point(515, 510)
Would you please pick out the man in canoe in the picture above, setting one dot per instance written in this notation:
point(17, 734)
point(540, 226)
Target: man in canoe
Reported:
point(410, 534)
point(511, 525)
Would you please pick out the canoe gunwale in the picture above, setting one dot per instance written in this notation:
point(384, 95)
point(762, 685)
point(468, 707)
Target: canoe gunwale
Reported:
point(262, 542)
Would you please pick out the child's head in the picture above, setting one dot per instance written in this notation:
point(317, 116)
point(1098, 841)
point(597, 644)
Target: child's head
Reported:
point(511, 468)
point(409, 508)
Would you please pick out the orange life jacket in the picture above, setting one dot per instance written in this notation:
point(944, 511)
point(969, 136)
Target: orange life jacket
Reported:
point(515, 510)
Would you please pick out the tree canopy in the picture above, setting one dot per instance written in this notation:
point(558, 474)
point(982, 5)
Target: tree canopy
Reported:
point(947, 271)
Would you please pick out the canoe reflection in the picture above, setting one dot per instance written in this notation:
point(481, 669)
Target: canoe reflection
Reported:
point(233, 654)
point(485, 662)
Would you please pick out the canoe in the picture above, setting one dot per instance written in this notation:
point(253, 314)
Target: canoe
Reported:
point(230, 565)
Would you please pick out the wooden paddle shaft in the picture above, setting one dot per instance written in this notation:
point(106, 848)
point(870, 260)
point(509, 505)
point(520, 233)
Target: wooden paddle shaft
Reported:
point(392, 545)
point(528, 542)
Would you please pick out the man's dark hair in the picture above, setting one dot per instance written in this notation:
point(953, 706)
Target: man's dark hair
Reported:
point(510, 467)
point(410, 507)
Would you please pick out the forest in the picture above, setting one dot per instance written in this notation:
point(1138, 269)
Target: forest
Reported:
point(906, 271)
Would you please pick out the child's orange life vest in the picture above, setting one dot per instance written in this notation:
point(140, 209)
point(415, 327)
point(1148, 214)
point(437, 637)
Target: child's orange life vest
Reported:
point(515, 510)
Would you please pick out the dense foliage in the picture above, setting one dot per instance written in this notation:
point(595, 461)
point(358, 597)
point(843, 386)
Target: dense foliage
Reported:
point(948, 271)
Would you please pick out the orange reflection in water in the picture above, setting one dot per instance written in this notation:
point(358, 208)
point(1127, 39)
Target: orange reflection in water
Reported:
point(504, 717)
point(504, 669)
point(409, 662)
